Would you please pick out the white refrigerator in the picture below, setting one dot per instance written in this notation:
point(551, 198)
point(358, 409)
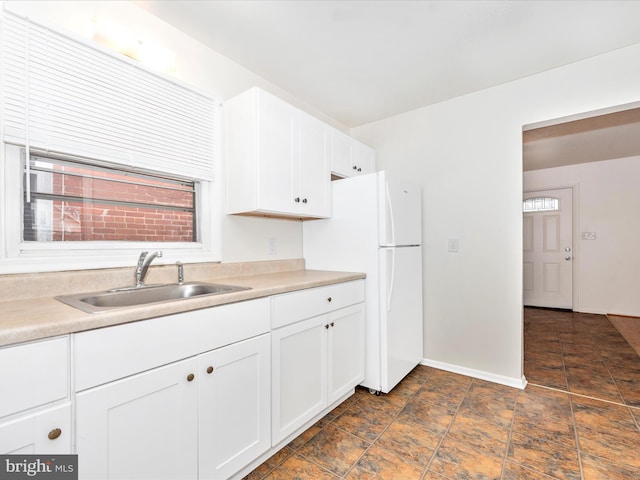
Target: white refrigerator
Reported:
point(375, 227)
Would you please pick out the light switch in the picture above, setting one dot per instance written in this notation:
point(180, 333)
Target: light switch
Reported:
point(588, 235)
point(453, 244)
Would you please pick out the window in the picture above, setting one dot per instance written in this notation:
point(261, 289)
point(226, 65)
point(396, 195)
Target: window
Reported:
point(540, 204)
point(120, 159)
point(72, 201)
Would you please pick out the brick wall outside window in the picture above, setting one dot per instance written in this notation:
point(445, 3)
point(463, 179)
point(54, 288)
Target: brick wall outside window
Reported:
point(113, 206)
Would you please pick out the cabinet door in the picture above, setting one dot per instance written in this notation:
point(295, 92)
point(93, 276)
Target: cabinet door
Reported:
point(45, 432)
point(277, 149)
point(364, 159)
point(314, 170)
point(346, 350)
point(341, 152)
point(299, 374)
point(144, 426)
point(234, 406)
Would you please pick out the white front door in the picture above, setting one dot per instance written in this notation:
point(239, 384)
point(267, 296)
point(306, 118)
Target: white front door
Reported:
point(548, 248)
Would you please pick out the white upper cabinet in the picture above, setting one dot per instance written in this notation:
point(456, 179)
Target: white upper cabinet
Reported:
point(314, 192)
point(277, 161)
point(341, 151)
point(364, 159)
point(350, 157)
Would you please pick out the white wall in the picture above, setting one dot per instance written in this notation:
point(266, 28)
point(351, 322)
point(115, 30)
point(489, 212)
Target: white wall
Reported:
point(243, 239)
point(467, 154)
point(607, 199)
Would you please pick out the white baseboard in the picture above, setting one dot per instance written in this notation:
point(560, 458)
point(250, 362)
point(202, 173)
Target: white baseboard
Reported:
point(519, 383)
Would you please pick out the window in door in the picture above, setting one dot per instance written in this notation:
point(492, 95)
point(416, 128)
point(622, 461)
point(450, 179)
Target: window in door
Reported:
point(540, 204)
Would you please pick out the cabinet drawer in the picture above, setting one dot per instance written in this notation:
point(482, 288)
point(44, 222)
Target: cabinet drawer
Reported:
point(33, 374)
point(295, 306)
point(104, 355)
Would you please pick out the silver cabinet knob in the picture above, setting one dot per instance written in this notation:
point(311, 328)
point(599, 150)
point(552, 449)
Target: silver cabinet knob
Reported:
point(567, 258)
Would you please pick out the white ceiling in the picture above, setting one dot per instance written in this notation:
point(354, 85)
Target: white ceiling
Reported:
point(361, 61)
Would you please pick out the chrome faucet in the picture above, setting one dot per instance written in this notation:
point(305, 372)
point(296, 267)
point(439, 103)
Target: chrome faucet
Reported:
point(143, 266)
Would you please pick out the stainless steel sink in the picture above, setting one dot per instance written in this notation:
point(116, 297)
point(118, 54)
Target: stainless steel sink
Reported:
point(131, 296)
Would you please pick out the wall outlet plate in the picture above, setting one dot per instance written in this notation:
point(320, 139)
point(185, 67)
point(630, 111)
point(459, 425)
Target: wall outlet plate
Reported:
point(273, 246)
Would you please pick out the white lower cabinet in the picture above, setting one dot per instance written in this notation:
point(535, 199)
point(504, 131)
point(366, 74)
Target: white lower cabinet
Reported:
point(35, 407)
point(203, 417)
point(144, 426)
point(299, 375)
point(234, 407)
point(44, 432)
point(315, 362)
point(202, 394)
point(345, 367)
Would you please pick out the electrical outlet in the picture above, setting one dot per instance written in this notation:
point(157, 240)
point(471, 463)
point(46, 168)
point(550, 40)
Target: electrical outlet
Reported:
point(453, 244)
point(273, 246)
point(588, 235)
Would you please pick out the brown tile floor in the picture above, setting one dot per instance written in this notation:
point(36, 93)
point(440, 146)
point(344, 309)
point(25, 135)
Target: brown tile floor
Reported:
point(577, 419)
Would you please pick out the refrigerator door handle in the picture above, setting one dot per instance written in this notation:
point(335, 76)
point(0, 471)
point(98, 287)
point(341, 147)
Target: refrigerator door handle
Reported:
point(392, 233)
point(391, 273)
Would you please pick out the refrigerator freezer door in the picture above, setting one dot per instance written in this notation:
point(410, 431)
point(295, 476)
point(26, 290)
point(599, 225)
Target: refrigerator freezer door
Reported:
point(401, 322)
point(400, 210)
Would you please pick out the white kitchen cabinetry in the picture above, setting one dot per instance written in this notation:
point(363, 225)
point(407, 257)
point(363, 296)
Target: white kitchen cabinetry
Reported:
point(364, 159)
point(35, 409)
point(234, 407)
point(350, 157)
point(299, 375)
point(345, 367)
point(277, 161)
point(317, 352)
point(144, 426)
point(42, 432)
point(206, 415)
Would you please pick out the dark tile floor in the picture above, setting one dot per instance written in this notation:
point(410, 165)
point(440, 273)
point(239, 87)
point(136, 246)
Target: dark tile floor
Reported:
point(577, 419)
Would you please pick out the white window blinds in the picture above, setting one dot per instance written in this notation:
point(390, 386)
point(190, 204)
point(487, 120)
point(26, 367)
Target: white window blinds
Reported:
point(66, 96)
